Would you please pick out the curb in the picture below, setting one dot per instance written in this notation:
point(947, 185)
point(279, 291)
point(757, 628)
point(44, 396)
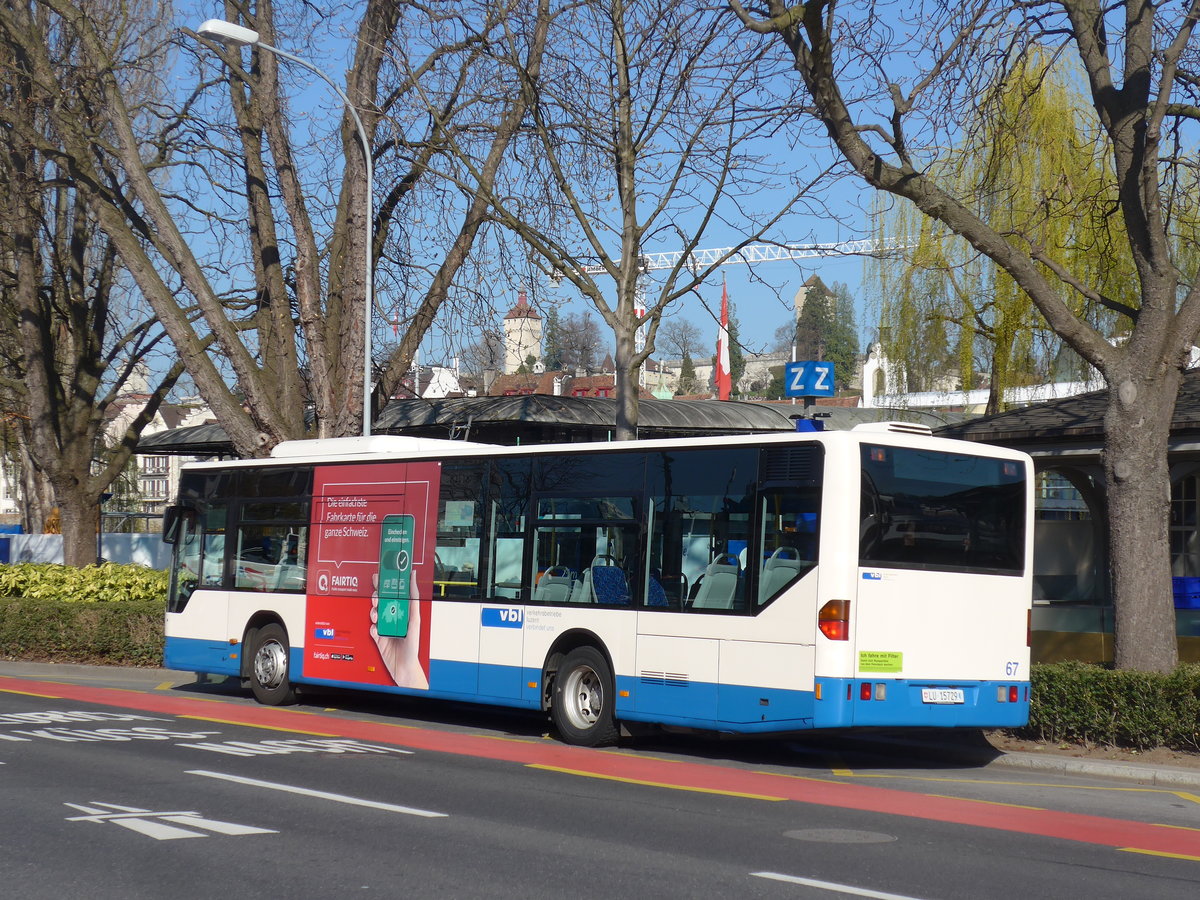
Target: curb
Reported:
point(1142, 773)
point(979, 753)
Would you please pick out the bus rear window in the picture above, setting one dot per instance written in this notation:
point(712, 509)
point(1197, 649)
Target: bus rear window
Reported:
point(935, 510)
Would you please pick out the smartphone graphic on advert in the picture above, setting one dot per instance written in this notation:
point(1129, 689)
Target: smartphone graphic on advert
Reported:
point(395, 574)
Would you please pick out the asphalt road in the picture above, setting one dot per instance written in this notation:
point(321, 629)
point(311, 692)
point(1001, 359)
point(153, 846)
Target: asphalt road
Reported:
point(130, 784)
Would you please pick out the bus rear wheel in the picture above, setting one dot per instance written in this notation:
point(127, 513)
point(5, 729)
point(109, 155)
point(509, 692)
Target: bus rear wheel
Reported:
point(582, 704)
point(269, 675)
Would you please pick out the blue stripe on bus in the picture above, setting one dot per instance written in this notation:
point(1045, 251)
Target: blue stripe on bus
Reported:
point(211, 657)
point(735, 708)
point(720, 707)
point(903, 704)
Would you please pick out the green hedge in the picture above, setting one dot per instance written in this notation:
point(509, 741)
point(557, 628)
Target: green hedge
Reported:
point(124, 634)
point(1080, 703)
point(111, 614)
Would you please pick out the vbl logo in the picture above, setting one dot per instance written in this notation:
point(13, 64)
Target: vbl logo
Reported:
point(502, 618)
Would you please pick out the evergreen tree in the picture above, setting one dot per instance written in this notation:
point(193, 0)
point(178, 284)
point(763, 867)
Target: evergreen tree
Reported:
point(827, 330)
point(687, 377)
point(552, 345)
point(814, 324)
point(841, 345)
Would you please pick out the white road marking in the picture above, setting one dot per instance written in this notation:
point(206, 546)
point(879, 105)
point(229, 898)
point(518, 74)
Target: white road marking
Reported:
point(143, 821)
point(833, 886)
point(321, 795)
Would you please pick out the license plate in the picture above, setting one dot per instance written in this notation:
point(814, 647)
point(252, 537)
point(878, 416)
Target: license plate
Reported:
point(941, 695)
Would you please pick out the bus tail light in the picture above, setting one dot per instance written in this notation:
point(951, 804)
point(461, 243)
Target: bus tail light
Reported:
point(834, 620)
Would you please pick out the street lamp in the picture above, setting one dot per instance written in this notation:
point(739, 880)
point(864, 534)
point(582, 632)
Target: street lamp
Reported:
point(238, 36)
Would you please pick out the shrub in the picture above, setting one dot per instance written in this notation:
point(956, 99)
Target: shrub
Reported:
point(122, 634)
point(111, 614)
point(107, 583)
point(1087, 704)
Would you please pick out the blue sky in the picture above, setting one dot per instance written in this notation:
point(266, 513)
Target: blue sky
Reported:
point(762, 297)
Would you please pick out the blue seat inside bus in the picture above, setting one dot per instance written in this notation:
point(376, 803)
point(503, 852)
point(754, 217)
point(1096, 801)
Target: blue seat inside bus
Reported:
point(603, 582)
point(656, 595)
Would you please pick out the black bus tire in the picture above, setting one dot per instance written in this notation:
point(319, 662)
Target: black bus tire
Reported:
point(582, 704)
point(270, 677)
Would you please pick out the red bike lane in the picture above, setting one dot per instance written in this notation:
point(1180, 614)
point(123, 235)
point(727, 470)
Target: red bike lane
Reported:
point(675, 774)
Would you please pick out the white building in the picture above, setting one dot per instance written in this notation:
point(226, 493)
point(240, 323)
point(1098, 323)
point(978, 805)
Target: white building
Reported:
point(522, 335)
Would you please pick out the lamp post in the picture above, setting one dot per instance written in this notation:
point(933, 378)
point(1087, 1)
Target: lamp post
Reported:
point(238, 36)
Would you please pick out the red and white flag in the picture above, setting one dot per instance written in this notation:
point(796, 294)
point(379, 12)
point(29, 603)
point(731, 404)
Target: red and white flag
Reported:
point(723, 381)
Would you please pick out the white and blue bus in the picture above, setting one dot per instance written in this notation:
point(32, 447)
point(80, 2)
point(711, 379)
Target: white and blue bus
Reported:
point(764, 583)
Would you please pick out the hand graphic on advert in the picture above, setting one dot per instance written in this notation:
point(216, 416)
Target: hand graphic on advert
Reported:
point(401, 656)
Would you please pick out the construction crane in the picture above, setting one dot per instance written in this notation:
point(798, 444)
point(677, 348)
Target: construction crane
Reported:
point(756, 253)
point(748, 255)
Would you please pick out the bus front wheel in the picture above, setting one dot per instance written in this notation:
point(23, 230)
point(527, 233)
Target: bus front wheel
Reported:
point(269, 677)
point(582, 705)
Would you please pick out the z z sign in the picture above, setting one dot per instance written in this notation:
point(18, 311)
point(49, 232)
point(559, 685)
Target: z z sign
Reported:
point(808, 379)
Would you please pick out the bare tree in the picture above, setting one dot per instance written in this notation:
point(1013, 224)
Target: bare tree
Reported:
point(643, 132)
point(579, 338)
point(71, 332)
point(681, 338)
point(485, 355)
point(276, 343)
point(882, 82)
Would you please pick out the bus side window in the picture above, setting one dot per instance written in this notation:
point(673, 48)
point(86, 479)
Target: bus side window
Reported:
point(788, 536)
point(508, 489)
point(271, 544)
point(199, 555)
point(459, 531)
point(270, 557)
point(699, 526)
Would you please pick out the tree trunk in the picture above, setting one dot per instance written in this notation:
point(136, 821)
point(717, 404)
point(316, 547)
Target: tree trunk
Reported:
point(1137, 426)
point(626, 382)
point(37, 496)
point(79, 528)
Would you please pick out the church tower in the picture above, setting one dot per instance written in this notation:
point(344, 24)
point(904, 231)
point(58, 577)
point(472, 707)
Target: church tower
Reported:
point(522, 335)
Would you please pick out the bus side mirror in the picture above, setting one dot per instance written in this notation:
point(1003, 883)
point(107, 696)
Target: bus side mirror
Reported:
point(172, 516)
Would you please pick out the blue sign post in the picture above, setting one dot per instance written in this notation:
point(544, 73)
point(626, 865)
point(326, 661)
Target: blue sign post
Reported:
point(810, 378)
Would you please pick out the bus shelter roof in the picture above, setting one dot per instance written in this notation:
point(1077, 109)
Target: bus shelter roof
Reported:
point(695, 416)
point(543, 418)
point(528, 418)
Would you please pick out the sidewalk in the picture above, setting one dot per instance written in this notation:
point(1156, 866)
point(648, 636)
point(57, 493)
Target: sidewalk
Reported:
point(1128, 770)
point(973, 748)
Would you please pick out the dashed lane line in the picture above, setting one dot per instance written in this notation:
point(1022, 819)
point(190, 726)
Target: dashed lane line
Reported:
point(320, 795)
point(833, 886)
